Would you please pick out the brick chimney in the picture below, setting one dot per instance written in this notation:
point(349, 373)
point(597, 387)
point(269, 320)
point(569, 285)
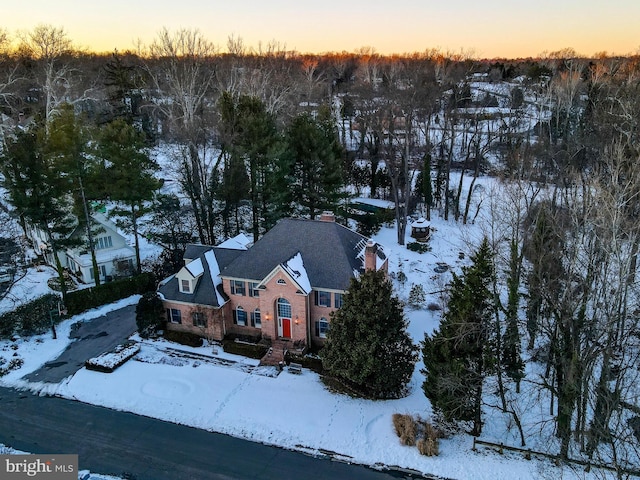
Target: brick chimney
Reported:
point(327, 217)
point(370, 254)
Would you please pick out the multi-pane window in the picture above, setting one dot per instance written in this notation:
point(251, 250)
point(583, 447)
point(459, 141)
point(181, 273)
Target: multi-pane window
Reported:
point(337, 300)
point(199, 319)
point(240, 316)
point(284, 308)
point(103, 242)
point(186, 286)
point(323, 299)
point(238, 287)
point(256, 320)
point(253, 289)
point(322, 327)
point(174, 315)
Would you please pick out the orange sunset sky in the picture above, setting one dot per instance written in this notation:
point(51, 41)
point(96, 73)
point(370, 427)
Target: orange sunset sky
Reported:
point(489, 28)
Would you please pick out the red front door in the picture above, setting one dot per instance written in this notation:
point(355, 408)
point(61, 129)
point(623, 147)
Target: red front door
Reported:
point(286, 327)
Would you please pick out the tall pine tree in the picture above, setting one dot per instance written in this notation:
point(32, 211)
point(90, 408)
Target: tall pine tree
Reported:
point(312, 167)
point(458, 355)
point(368, 346)
point(125, 161)
point(39, 191)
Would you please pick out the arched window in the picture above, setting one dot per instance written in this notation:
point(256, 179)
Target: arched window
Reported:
point(240, 316)
point(284, 308)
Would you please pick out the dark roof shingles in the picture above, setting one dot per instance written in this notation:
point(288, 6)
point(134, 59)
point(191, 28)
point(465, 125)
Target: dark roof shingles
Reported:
point(328, 251)
point(204, 293)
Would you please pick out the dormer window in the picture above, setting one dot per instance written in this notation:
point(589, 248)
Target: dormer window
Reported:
point(185, 286)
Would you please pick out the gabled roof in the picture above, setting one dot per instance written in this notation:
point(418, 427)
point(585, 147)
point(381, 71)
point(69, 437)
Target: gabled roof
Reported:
point(208, 290)
point(295, 268)
point(328, 250)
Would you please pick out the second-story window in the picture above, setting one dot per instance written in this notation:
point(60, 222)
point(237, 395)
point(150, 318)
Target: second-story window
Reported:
point(237, 287)
point(103, 242)
point(323, 299)
point(253, 289)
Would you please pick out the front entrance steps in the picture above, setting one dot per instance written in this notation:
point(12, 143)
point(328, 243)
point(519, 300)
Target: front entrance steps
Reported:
point(275, 354)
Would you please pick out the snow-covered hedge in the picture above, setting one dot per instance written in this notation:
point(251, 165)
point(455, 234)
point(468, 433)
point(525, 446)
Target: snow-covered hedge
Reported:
point(108, 362)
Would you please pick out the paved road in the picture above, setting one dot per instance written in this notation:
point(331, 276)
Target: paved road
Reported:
point(94, 337)
point(116, 443)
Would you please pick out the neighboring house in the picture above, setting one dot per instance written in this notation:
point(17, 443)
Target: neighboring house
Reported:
point(114, 256)
point(285, 286)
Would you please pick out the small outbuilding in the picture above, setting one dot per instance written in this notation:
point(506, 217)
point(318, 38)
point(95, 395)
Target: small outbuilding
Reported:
point(420, 230)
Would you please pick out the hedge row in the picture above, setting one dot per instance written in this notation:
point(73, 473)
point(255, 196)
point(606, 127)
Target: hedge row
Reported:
point(312, 363)
point(109, 361)
point(31, 318)
point(250, 350)
point(184, 338)
point(79, 301)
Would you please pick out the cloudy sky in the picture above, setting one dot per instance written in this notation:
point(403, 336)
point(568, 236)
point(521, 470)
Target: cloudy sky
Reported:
point(489, 28)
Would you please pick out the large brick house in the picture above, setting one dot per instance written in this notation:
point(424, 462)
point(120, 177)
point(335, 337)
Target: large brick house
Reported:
point(283, 287)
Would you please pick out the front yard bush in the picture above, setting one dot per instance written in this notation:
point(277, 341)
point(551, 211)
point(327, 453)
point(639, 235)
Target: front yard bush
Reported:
point(108, 362)
point(406, 428)
point(183, 338)
point(32, 318)
point(150, 315)
point(251, 350)
point(82, 300)
point(418, 247)
point(417, 432)
point(310, 362)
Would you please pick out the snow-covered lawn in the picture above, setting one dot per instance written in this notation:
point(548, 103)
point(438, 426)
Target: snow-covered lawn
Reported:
point(230, 394)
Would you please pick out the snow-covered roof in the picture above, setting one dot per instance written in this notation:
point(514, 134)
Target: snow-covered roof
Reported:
point(239, 242)
point(214, 270)
point(295, 268)
point(195, 268)
point(105, 255)
point(421, 223)
point(375, 202)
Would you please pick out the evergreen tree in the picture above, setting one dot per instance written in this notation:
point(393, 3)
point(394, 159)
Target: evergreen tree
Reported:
point(120, 78)
point(125, 161)
point(233, 189)
point(511, 343)
point(458, 355)
point(368, 346)
point(171, 226)
point(312, 167)
point(39, 192)
point(249, 133)
point(66, 144)
point(150, 314)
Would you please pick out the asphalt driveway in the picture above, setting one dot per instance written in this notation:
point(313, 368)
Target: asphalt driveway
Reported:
point(93, 338)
